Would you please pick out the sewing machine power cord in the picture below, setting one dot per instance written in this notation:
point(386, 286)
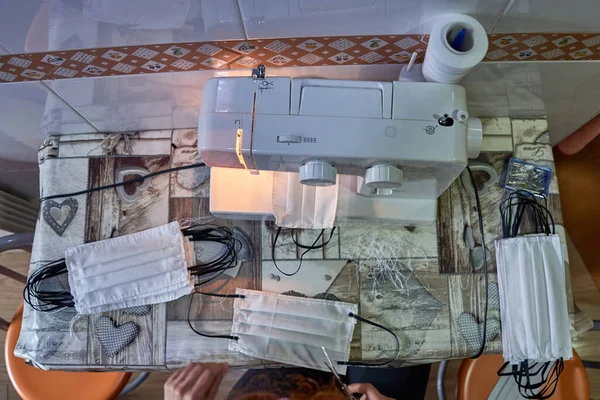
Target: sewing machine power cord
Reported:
point(140, 178)
point(485, 263)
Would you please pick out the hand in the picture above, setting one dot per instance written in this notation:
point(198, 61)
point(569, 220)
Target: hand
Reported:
point(195, 382)
point(368, 391)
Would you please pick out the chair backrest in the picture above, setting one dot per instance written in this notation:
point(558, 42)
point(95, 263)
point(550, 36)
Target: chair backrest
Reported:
point(19, 241)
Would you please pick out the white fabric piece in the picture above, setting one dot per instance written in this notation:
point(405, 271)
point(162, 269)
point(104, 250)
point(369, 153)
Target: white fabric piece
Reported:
point(292, 330)
point(301, 206)
point(147, 267)
point(533, 299)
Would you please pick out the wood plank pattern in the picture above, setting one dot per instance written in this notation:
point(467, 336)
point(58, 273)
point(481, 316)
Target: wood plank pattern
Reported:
point(452, 214)
point(457, 211)
point(114, 217)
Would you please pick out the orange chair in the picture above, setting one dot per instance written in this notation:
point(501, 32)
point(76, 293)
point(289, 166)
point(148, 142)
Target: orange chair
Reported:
point(35, 384)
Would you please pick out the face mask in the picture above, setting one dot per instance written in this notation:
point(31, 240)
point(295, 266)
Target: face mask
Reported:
point(533, 299)
point(302, 206)
point(147, 267)
point(292, 329)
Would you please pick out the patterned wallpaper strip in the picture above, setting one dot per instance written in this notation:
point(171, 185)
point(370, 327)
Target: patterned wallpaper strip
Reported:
point(318, 51)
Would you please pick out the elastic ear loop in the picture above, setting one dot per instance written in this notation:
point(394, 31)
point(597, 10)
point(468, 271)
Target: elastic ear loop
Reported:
point(373, 363)
point(521, 375)
point(46, 300)
point(229, 296)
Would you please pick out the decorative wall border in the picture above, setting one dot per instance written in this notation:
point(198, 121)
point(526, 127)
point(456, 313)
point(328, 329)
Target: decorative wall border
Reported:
point(288, 52)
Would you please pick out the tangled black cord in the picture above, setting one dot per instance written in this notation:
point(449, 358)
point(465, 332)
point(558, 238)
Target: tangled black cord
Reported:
point(540, 383)
point(538, 380)
point(523, 205)
point(205, 272)
point(40, 296)
point(307, 248)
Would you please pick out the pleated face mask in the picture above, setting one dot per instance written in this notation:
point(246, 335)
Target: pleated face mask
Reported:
point(533, 299)
point(292, 329)
point(147, 267)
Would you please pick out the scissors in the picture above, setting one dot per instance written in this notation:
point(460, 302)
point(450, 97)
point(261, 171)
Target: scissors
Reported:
point(343, 386)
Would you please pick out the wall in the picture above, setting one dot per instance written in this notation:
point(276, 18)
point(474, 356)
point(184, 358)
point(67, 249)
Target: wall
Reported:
point(564, 91)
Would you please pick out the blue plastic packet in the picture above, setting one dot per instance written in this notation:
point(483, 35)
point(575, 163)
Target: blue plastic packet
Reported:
point(522, 175)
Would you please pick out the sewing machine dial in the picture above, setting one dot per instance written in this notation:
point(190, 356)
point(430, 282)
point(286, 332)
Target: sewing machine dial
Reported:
point(317, 173)
point(383, 176)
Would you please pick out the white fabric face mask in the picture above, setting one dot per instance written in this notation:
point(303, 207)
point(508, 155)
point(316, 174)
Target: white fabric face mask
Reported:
point(301, 206)
point(292, 329)
point(147, 267)
point(533, 299)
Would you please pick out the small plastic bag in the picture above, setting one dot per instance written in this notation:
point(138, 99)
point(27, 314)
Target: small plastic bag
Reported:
point(522, 175)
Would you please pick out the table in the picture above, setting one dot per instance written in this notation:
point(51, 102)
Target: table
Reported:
point(438, 282)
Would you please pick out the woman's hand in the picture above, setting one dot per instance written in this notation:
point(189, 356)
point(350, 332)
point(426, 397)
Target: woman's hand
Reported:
point(368, 391)
point(195, 382)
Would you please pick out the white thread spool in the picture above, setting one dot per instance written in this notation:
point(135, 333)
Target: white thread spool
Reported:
point(445, 64)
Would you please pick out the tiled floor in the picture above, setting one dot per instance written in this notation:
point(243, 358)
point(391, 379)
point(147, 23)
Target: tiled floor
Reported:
point(578, 175)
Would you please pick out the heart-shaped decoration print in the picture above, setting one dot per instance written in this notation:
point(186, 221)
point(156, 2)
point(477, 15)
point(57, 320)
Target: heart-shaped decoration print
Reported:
point(493, 296)
point(484, 176)
point(120, 175)
point(113, 338)
point(59, 216)
point(137, 310)
point(472, 331)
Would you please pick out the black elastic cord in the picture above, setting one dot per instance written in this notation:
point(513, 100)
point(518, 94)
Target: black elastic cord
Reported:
point(313, 246)
point(307, 248)
point(205, 272)
point(485, 264)
point(46, 299)
point(42, 297)
point(523, 373)
point(522, 204)
point(373, 363)
point(115, 185)
point(189, 321)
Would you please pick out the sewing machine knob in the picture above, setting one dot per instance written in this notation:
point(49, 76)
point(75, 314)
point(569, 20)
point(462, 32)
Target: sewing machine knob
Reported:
point(383, 176)
point(317, 173)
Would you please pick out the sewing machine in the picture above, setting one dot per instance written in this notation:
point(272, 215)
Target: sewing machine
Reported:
point(391, 147)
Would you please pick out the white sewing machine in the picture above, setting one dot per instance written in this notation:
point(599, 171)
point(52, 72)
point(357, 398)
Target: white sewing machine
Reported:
point(391, 147)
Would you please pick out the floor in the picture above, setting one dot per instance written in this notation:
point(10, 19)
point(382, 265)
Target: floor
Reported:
point(578, 176)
